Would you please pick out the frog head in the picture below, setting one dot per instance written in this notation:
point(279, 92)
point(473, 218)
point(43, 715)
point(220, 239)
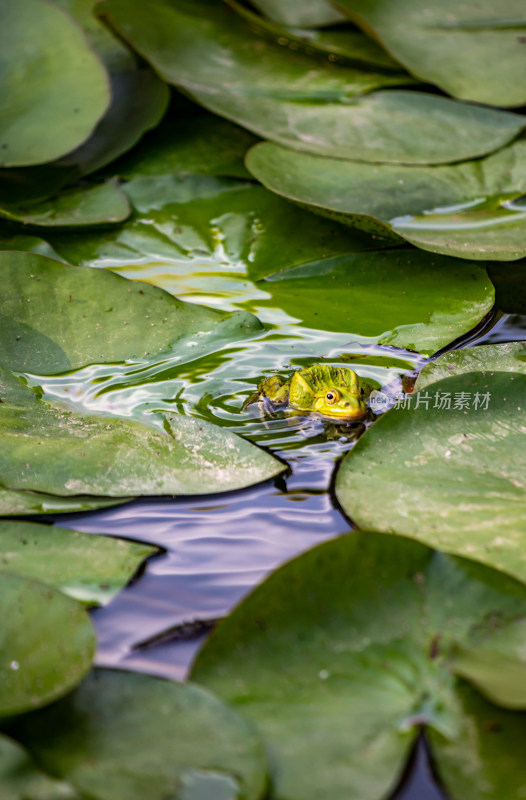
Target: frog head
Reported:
point(332, 391)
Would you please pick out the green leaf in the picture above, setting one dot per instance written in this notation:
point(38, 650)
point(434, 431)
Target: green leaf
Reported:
point(405, 306)
point(472, 210)
point(187, 231)
point(307, 103)
point(124, 735)
point(451, 477)
point(508, 357)
point(457, 47)
point(56, 317)
point(102, 204)
point(342, 654)
point(21, 780)
point(53, 88)
point(310, 13)
point(91, 569)
point(199, 143)
point(47, 644)
point(47, 449)
point(494, 659)
point(343, 44)
point(138, 97)
point(17, 503)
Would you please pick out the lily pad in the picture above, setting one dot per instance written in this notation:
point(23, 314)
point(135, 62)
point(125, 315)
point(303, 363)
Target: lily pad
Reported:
point(47, 646)
point(343, 44)
point(472, 210)
point(91, 569)
point(508, 357)
point(47, 449)
point(407, 305)
point(56, 317)
point(304, 102)
point(341, 656)
point(102, 204)
point(21, 780)
point(124, 735)
point(22, 503)
point(456, 46)
point(450, 469)
point(310, 13)
point(54, 88)
point(187, 231)
point(139, 97)
point(198, 143)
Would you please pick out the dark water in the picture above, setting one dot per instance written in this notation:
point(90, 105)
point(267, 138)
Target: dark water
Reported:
point(218, 547)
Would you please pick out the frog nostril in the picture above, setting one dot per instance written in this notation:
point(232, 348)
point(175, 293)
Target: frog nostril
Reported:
point(345, 403)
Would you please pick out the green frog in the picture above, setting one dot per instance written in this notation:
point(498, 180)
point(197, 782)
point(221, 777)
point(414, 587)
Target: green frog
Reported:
point(335, 392)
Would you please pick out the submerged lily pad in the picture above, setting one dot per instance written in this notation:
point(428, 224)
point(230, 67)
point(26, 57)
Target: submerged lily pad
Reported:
point(305, 102)
point(56, 317)
point(53, 88)
point(407, 304)
point(124, 735)
point(22, 503)
point(92, 569)
point(459, 47)
point(341, 656)
point(47, 646)
point(21, 780)
point(450, 469)
point(472, 210)
point(508, 357)
point(47, 449)
point(102, 204)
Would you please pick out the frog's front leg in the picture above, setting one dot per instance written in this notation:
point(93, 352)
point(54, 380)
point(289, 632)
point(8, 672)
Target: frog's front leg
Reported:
point(275, 389)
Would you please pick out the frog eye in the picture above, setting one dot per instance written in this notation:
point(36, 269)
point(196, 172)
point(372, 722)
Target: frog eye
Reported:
point(332, 396)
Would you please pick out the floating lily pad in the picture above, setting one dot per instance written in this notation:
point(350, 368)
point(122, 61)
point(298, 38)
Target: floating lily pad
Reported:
point(450, 469)
point(341, 656)
point(54, 88)
point(459, 47)
point(47, 646)
point(310, 13)
point(416, 301)
point(472, 210)
point(201, 224)
point(26, 243)
point(102, 204)
point(508, 357)
point(21, 780)
point(21, 503)
point(199, 143)
point(343, 44)
point(92, 569)
point(124, 735)
point(56, 317)
point(304, 102)
point(47, 449)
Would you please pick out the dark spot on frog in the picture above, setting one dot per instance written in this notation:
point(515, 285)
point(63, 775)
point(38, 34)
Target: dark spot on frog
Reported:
point(434, 647)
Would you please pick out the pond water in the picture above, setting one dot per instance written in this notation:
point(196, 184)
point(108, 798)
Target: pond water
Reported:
point(216, 548)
